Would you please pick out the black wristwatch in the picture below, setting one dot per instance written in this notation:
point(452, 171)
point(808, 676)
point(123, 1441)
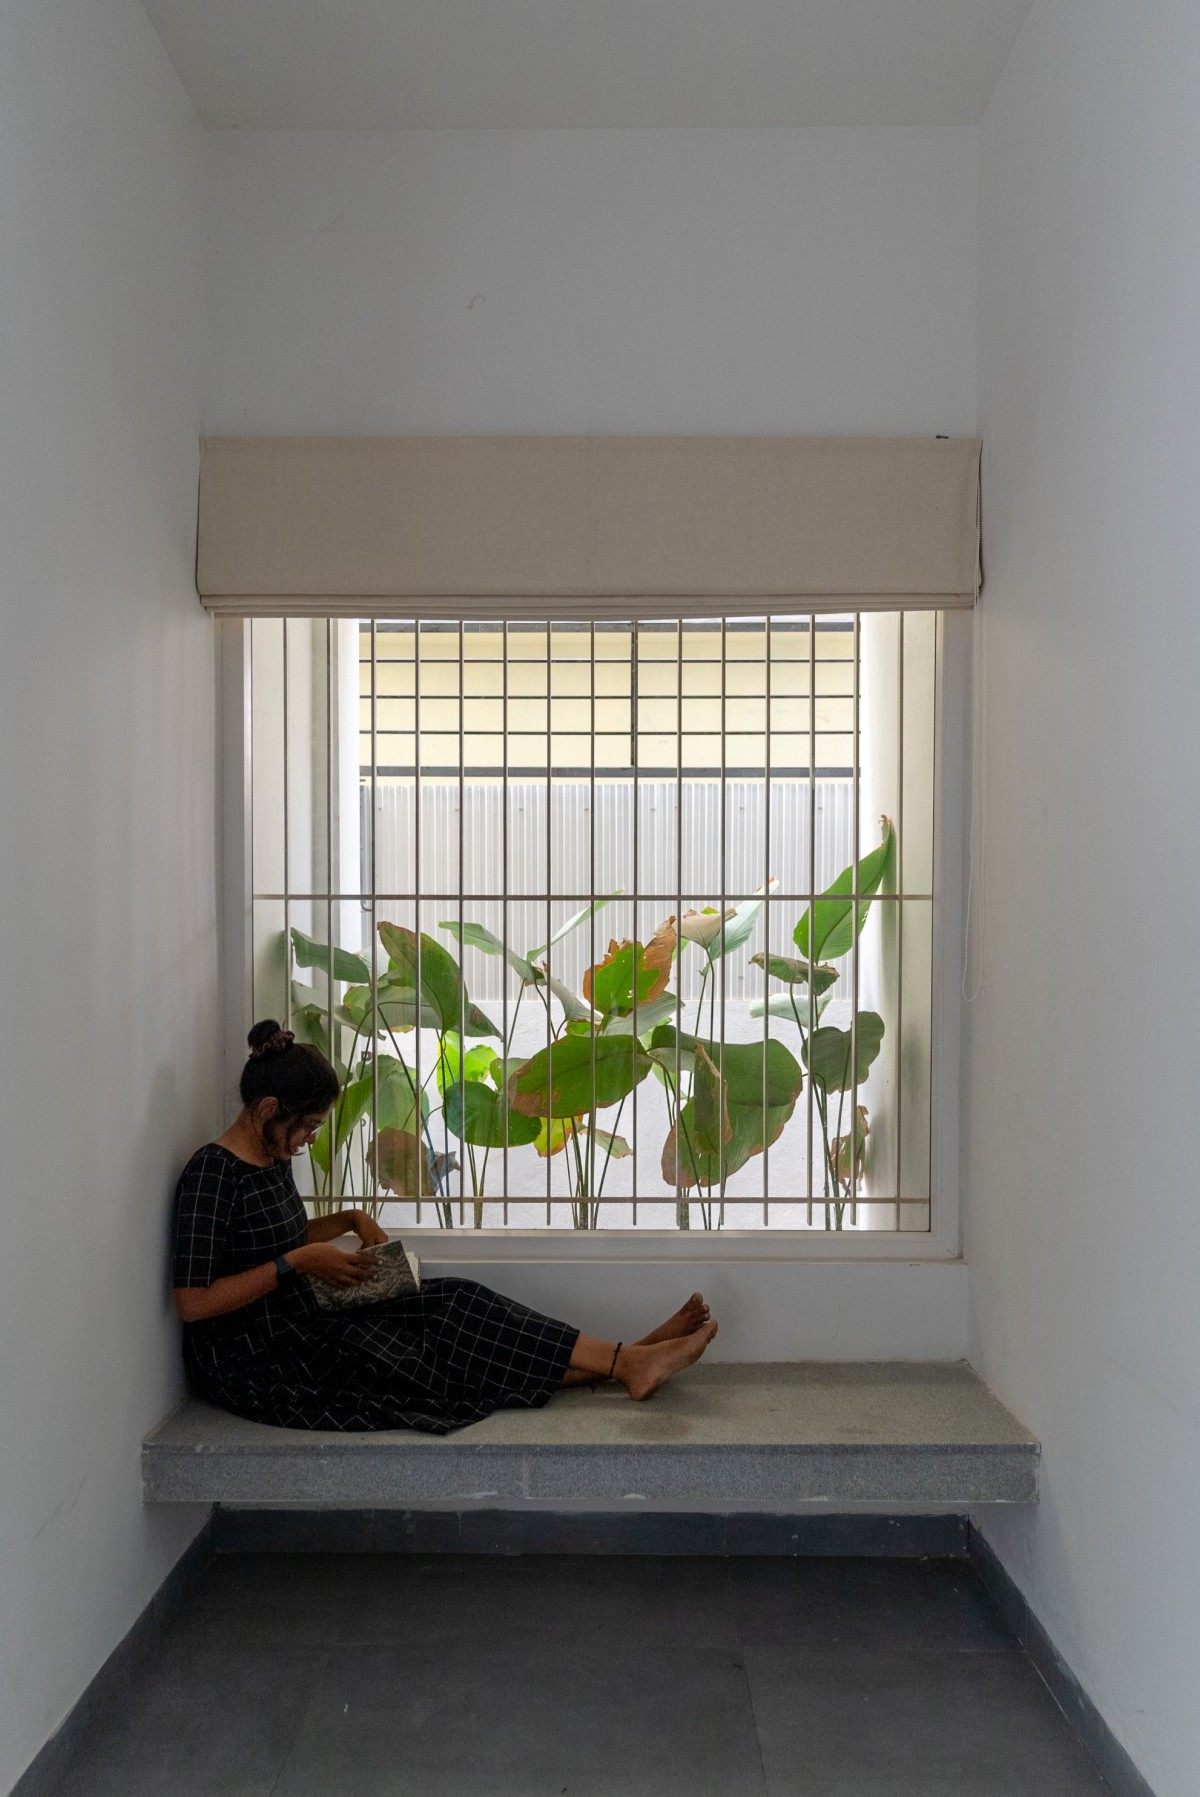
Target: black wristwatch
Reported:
point(283, 1269)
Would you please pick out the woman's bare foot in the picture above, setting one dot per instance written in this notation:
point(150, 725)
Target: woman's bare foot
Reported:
point(643, 1367)
point(689, 1316)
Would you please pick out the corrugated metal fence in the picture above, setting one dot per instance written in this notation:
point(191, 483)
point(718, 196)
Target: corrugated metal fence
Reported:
point(552, 849)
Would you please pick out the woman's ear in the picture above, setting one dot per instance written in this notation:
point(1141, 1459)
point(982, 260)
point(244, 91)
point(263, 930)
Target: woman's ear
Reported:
point(264, 1113)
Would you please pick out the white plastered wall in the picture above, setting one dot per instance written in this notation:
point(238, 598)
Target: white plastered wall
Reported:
point(1080, 1187)
point(107, 869)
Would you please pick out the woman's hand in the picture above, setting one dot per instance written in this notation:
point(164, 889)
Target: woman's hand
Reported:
point(323, 1261)
point(367, 1229)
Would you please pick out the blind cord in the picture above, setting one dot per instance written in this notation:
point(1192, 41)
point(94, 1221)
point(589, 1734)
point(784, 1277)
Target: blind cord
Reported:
point(974, 905)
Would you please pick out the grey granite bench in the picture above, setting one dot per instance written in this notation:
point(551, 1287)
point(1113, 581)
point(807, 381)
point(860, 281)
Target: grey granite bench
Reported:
point(719, 1436)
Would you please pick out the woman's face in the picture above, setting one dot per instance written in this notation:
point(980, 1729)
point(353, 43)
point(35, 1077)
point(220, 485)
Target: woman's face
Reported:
point(302, 1133)
point(283, 1140)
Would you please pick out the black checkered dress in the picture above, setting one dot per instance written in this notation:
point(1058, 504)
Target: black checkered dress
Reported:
point(437, 1359)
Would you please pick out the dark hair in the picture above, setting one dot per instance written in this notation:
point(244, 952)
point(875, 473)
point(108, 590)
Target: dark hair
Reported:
point(294, 1073)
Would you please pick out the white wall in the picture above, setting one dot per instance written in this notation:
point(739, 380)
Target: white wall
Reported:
point(624, 281)
point(1082, 1220)
point(107, 902)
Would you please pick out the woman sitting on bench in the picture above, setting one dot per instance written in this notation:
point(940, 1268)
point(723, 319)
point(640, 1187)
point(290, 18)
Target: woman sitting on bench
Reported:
point(257, 1342)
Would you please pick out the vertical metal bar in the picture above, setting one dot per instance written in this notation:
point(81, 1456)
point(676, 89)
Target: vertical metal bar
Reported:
point(549, 892)
point(464, 1157)
point(723, 965)
point(418, 1004)
point(287, 842)
point(899, 927)
point(679, 1213)
point(334, 1168)
point(591, 1142)
point(812, 880)
point(504, 827)
point(936, 887)
point(373, 996)
point(635, 753)
point(237, 696)
point(856, 836)
point(767, 669)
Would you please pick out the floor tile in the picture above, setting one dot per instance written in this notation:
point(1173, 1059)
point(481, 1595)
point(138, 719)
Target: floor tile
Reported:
point(204, 1717)
point(855, 1722)
point(478, 1719)
point(343, 1600)
point(872, 1603)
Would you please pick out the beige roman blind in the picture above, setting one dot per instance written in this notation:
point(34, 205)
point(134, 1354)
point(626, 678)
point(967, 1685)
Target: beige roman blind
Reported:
point(608, 526)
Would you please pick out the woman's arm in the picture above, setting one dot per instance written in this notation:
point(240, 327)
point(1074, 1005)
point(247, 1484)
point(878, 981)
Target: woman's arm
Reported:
point(327, 1229)
point(196, 1303)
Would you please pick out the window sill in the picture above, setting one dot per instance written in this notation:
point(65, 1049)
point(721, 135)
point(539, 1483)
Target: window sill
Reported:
point(672, 1246)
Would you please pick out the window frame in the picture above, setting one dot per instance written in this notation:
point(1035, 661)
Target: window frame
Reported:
point(941, 1242)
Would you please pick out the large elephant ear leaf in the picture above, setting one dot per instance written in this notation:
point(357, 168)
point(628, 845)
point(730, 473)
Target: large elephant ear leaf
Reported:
point(739, 923)
point(478, 1114)
point(761, 1083)
point(424, 963)
point(316, 954)
point(694, 1150)
point(630, 969)
point(573, 923)
point(397, 1097)
point(578, 1074)
point(827, 1052)
point(832, 928)
point(400, 1162)
point(794, 972)
point(476, 935)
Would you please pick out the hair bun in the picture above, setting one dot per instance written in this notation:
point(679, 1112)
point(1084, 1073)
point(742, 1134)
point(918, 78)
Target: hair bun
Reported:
point(267, 1038)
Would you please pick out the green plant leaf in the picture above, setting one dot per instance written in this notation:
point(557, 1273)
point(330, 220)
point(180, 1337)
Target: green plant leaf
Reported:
point(614, 1147)
point(795, 973)
point(739, 924)
point(476, 1113)
point(350, 1108)
point(453, 1066)
point(826, 1053)
point(833, 928)
point(703, 1125)
point(740, 1063)
point(647, 1017)
point(396, 1008)
point(611, 984)
point(318, 1148)
point(501, 1070)
point(397, 1096)
point(557, 1082)
point(444, 1001)
point(782, 1004)
point(346, 966)
point(574, 1009)
point(474, 935)
point(762, 1083)
point(573, 923)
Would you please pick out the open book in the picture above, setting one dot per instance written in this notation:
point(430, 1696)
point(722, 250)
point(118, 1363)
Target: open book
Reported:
point(399, 1274)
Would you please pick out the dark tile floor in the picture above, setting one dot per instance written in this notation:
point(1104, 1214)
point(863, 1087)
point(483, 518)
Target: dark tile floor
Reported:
point(385, 1676)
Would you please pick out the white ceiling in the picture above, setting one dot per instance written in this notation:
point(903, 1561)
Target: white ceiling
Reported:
point(358, 64)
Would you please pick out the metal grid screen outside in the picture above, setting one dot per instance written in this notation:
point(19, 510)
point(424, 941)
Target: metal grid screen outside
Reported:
point(605, 925)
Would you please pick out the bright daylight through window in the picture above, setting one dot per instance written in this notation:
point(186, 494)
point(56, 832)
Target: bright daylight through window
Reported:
point(606, 925)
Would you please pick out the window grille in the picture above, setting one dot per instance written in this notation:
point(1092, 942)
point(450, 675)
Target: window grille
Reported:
point(573, 905)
